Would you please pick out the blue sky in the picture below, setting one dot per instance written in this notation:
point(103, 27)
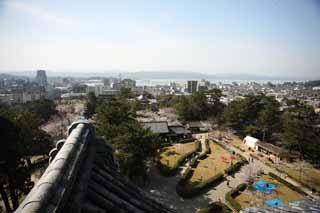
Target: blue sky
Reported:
point(271, 37)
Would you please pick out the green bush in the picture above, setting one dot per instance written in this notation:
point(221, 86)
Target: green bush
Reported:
point(202, 156)
point(236, 167)
point(233, 168)
point(187, 189)
point(216, 207)
point(286, 183)
point(231, 195)
point(198, 146)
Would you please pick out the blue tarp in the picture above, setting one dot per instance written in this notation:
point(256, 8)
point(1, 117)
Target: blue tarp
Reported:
point(274, 202)
point(264, 186)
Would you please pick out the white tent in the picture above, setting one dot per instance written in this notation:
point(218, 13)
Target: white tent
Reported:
point(251, 142)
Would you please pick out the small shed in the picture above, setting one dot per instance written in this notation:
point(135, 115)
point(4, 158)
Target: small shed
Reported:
point(251, 142)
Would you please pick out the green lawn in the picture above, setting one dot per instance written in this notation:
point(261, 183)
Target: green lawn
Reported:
point(213, 164)
point(171, 156)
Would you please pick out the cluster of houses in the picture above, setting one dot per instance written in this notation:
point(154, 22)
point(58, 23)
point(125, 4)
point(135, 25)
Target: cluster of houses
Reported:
point(171, 129)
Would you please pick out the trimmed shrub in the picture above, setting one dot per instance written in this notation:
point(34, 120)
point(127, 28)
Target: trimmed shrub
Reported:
point(187, 174)
point(216, 207)
point(234, 168)
point(186, 189)
point(286, 183)
point(231, 195)
point(188, 140)
point(202, 156)
point(194, 162)
point(162, 145)
point(198, 146)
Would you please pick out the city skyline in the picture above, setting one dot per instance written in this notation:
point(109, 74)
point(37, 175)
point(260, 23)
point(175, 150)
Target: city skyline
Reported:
point(275, 38)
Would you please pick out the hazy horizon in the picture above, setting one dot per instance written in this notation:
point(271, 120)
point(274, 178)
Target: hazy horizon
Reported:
point(268, 38)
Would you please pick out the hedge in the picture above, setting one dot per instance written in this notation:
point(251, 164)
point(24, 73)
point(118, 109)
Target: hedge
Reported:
point(233, 168)
point(170, 171)
point(194, 162)
point(188, 190)
point(286, 183)
point(216, 207)
point(162, 145)
point(202, 156)
point(188, 140)
point(233, 194)
point(238, 147)
point(187, 174)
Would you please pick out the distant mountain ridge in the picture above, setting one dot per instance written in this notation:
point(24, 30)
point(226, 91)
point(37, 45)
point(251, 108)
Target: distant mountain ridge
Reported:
point(14, 77)
point(155, 75)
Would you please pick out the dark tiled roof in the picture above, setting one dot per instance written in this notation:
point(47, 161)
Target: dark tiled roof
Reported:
point(84, 177)
point(271, 148)
point(194, 124)
point(303, 206)
point(160, 127)
point(179, 130)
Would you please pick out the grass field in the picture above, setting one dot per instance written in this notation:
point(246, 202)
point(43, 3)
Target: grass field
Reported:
point(172, 155)
point(213, 164)
point(250, 198)
point(308, 175)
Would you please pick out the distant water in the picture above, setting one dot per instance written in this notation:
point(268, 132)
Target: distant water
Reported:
point(154, 82)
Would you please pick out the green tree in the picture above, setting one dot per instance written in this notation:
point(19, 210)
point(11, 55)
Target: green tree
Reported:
point(300, 132)
point(126, 93)
point(200, 106)
point(14, 175)
point(168, 100)
point(258, 114)
point(134, 145)
point(269, 116)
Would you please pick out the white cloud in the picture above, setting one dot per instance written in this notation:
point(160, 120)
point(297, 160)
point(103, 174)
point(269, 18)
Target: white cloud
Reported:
point(40, 13)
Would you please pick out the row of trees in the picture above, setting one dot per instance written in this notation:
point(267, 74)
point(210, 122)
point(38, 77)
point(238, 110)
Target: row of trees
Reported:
point(260, 116)
point(21, 138)
point(255, 115)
